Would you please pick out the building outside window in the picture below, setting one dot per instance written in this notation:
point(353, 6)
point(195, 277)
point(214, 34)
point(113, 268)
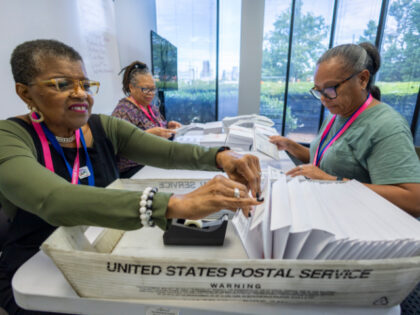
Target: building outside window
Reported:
point(191, 26)
point(229, 52)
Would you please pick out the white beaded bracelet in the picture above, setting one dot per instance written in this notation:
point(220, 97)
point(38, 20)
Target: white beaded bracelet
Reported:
point(146, 202)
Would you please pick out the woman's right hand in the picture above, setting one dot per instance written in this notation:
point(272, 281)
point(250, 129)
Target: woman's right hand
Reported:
point(281, 142)
point(215, 195)
point(161, 132)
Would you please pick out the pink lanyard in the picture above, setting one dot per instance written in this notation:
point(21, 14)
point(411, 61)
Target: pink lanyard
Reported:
point(47, 153)
point(145, 112)
point(318, 155)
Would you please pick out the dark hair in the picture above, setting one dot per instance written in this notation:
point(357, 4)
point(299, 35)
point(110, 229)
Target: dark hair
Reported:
point(357, 58)
point(25, 57)
point(130, 72)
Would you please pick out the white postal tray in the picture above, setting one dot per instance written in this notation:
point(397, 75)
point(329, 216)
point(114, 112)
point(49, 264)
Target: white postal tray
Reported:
point(137, 265)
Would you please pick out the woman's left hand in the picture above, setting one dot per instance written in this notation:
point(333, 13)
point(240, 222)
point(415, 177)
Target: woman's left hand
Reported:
point(174, 125)
point(310, 171)
point(241, 168)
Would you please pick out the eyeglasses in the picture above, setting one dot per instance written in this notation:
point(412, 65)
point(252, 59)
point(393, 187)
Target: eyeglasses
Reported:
point(147, 90)
point(329, 92)
point(66, 84)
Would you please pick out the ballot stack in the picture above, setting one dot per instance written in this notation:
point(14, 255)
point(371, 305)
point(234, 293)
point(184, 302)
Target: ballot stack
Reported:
point(326, 220)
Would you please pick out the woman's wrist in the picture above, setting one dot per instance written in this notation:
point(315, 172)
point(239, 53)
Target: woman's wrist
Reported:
point(219, 157)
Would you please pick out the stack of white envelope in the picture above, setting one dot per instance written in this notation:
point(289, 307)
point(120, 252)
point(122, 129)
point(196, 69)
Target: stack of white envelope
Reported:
point(240, 138)
point(302, 219)
point(213, 140)
point(213, 127)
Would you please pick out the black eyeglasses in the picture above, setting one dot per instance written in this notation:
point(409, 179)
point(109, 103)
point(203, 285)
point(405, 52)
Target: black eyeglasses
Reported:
point(329, 92)
point(147, 90)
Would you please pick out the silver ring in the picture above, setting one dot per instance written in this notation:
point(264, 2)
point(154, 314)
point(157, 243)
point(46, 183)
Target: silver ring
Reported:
point(236, 193)
point(300, 167)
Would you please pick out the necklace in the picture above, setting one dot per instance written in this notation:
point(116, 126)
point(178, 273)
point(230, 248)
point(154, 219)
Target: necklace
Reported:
point(65, 140)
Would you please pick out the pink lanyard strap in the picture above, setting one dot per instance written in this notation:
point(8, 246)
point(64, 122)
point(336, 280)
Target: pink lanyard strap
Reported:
point(44, 144)
point(154, 116)
point(47, 152)
point(154, 119)
point(317, 158)
point(76, 164)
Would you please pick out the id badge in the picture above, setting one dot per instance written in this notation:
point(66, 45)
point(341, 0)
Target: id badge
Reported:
point(84, 172)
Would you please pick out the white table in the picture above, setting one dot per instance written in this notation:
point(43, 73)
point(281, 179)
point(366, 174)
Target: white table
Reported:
point(39, 285)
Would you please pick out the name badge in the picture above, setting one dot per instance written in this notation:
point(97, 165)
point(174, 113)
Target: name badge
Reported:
point(84, 172)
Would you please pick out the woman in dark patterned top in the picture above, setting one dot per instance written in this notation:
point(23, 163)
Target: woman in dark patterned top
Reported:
point(137, 108)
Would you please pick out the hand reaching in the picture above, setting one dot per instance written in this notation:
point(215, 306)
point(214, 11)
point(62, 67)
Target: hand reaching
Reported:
point(281, 142)
point(310, 171)
point(241, 168)
point(161, 132)
point(174, 125)
point(215, 195)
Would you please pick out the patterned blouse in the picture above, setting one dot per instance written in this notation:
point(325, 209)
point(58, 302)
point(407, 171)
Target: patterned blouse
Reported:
point(131, 112)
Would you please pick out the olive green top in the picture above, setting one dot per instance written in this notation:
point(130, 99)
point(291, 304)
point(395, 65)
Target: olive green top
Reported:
point(26, 184)
point(377, 148)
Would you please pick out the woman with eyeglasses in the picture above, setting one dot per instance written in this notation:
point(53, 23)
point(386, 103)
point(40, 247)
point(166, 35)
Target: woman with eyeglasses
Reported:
point(56, 159)
point(137, 108)
point(365, 139)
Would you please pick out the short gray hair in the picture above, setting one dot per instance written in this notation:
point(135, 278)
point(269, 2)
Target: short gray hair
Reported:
point(25, 56)
point(357, 58)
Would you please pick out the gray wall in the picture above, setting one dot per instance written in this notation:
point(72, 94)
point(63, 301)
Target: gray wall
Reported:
point(134, 20)
point(106, 33)
point(252, 27)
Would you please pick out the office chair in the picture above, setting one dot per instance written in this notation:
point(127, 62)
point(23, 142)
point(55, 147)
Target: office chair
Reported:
point(411, 304)
point(4, 227)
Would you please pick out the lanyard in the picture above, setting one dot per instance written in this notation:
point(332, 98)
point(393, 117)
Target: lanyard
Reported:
point(319, 154)
point(145, 111)
point(44, 133)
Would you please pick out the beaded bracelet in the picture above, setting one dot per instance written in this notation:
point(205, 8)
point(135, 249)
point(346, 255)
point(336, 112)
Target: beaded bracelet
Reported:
point(146, 202)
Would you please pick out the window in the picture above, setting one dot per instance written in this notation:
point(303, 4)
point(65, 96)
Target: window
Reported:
point(311, 33)
point(229, 46)
point(191, 26)
point(357, 21)
point(399, 75)
point(274, 63)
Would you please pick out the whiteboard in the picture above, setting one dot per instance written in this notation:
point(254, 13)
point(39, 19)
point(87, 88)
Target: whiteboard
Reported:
point(88, 26)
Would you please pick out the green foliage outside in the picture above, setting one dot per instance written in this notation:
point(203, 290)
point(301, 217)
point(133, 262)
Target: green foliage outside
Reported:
point(399, 76)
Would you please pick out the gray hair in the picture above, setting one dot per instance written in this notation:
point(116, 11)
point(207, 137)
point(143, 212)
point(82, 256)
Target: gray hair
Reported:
point(26, 56)
point(130, 73)
point(357, 58)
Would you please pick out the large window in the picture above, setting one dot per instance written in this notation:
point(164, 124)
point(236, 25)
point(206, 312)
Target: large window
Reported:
point(311, 32)
point(399, 75)
point(208, 45)
point(274, 65)
point(311, 29)
point(357, 21)
point(191, 26)
point(229, 46)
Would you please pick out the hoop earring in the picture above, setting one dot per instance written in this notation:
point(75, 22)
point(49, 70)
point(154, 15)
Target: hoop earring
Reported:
point(34, 110)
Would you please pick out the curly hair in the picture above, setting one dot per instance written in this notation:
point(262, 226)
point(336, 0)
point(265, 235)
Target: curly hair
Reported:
point(130, 71)
point(25, 57)
point(357, 58)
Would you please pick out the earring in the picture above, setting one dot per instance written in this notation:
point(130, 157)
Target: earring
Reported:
point(33, 117)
